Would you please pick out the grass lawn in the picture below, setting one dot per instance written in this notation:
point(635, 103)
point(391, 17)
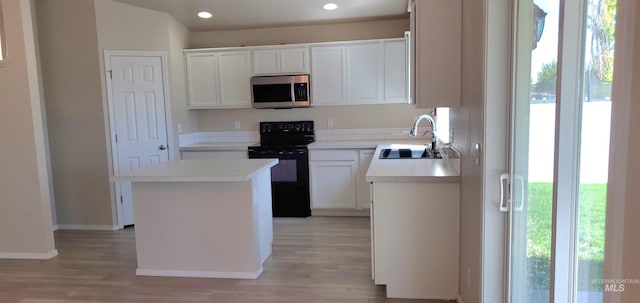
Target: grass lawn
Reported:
point(591, 225)
point(591, 228)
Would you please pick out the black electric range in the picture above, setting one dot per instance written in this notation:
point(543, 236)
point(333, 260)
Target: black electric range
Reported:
point(287, 142)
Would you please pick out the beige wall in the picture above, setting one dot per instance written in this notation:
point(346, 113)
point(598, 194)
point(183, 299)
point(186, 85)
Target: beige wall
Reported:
point(25, 214)
point(622, 249)
point(357, 116)
point(72, 48)
point(125, 27)
point(394, 28)
point(178, 41)
point(467, 123)
point(71, 73)
point(360, 116)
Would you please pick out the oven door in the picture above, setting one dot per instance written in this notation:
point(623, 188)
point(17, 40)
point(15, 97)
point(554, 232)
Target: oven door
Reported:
point(289, 182)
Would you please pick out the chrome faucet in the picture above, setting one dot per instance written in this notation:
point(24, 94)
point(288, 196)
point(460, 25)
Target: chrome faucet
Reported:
point(414, 129)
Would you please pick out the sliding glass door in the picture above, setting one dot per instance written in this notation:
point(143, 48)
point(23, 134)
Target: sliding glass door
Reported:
point(532, 149)
point(560, 122)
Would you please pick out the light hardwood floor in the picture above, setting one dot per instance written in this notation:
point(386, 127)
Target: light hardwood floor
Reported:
point(317, 259)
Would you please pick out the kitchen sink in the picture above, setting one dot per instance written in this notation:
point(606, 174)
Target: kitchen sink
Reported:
point(408, 153)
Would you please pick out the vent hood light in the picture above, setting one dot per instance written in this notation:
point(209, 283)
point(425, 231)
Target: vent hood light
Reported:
point(205, 15)
point(330, 6)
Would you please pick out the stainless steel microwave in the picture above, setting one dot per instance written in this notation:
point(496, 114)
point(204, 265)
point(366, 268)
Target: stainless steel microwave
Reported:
point(281, 91)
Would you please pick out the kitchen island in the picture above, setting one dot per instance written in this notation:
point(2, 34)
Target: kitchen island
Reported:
point(202, 218)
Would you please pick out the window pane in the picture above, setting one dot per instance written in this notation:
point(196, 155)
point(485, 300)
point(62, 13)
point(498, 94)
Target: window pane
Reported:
point(534, 149)
point(594, 150)
point(541, 149)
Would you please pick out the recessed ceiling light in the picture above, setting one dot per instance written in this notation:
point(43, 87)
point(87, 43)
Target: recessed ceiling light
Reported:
point(330, 6)
point(205, 15)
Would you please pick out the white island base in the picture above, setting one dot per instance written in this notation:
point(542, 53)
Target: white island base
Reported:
point(202, 224)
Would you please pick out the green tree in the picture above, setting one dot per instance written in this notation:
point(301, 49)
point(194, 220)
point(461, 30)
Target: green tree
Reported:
point(547, 78)
point(602, 23)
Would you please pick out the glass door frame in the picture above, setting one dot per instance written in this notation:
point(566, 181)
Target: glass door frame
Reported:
point(571, 35)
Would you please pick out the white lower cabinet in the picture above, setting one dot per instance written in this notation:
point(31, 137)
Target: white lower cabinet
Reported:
point(363, 187)
point(213, 155)
point(333, 184)
point(337, 180)
point(416, 239)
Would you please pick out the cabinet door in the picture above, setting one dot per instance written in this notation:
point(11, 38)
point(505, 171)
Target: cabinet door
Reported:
point(328, 75)
point(333, 184)
point(202, 77)
point(235, 89)
point(363, 187)
point(395, 72)
point(266, 61)
point(294, 60)
point(437, 34)
point(364, 73)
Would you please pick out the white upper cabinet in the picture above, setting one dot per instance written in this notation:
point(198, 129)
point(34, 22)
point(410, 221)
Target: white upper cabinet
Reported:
point(396, 85)
point(436, 42)
point(327, 75)
point(364, 73)
point(218, 79)
point(202, 76)
point(360, 72)
point(235, 89)
point(291, 60)
point(342, 73)
point(266, 61)
point(294, 60)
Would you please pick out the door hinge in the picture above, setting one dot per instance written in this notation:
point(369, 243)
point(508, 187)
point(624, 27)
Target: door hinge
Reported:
point(121, 200)
point(110, 74)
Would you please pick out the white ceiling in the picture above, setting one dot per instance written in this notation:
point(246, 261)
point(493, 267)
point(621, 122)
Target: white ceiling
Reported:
point(238, 14)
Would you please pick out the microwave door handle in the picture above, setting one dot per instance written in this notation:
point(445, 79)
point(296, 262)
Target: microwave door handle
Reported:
point(293, 93)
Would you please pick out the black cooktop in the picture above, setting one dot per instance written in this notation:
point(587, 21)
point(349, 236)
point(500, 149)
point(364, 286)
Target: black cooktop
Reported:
point(286, 134)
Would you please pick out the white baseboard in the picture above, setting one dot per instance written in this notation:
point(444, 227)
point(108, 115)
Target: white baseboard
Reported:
point(339, 212)
point(84, 227)
point(29, 256)
point(199, 274)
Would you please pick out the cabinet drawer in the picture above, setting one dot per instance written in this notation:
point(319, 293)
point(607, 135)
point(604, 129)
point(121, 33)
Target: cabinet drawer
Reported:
point(333, 155)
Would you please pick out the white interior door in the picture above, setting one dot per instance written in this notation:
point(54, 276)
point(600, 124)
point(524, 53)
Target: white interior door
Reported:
point(138, 106)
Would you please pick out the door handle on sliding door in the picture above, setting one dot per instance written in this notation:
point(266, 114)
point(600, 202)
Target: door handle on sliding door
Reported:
point(510, 198)
point(504, 194)
point(519, 202)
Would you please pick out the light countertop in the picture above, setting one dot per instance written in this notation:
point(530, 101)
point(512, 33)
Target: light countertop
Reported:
point(357, 144)
point(346, 144)
point(412, 170)
point(198, 171)
point(218, 146)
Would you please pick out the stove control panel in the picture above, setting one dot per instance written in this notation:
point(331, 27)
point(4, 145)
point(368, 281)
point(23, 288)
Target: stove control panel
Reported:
point(286, 127)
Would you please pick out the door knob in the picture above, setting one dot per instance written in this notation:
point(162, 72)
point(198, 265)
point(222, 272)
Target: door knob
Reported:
point(162, 147)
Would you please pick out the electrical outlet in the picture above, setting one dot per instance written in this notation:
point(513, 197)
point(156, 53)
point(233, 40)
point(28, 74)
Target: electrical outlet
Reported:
point(329, 123)
point(179, 128)
point(236, 125)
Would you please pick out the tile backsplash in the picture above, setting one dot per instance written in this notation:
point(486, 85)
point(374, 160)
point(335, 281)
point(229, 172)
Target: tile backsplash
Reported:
point(321, 135)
